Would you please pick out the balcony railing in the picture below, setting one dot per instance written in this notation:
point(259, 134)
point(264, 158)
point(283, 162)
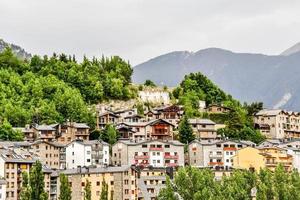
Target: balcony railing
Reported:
point(215, 155)
point(216, 163)
point(229, 149)
point(171, 164)
point(81, 133)
point(141, 157)
point(171, 156)
point(156, 149)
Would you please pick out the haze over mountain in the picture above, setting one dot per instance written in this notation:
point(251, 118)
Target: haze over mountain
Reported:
point(275, 79)
point(20, 52)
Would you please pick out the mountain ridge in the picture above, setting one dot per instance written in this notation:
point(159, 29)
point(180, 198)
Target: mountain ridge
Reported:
point(256, 77)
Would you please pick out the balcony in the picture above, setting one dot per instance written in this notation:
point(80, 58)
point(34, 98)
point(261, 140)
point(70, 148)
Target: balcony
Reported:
point(81, 133)
point(271, 163)
point(229, 149)
point(215, 163)
point(171, 157)
point(141, 157)
point(156, 149)
point(171, 164)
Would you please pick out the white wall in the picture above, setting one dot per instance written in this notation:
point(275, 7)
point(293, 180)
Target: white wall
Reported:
point(78, 155)
point(106, 154)
point(2, 192)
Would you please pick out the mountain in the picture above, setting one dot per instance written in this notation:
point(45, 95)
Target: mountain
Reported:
point(292, 50)
point(20, 52)
point(248, 77)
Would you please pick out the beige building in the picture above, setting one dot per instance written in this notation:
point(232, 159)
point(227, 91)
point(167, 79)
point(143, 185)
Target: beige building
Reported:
point(217, 154)
point(70, 131)
point(215, 108)
point(204, 128)
point(278, 124)
point(121, 182)
point(12, 163)
point(148, 153)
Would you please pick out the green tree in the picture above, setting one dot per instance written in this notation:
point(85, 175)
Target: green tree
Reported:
point(87, 190)
point(65, 189)
point(36, 182)
point(104, 191)
point(8, 133)
point(185, 131)
point(26, 189)
point(109, 134)
point(149, 83)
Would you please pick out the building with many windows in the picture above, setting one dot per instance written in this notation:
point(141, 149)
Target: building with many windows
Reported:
point(148, 153)
point(87, 153)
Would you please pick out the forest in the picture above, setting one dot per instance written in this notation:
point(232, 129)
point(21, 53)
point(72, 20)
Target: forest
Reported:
point(59, 88)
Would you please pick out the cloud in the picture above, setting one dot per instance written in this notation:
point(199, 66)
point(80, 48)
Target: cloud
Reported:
point(140, 29)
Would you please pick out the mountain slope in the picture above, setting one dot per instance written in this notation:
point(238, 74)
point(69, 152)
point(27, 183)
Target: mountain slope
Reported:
point(20, 52)
point(292, 50)
point(248, 77)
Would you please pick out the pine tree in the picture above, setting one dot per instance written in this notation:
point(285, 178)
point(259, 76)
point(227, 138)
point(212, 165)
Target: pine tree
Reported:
point(87, 190)
point(26, 190)
point(65, 190)
point(185, 131)
point(36, 182)
point(104, 191)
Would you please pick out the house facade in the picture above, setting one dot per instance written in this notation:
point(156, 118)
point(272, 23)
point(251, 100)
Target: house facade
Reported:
point(154, 153)
point(204, 129)
point(92, 153)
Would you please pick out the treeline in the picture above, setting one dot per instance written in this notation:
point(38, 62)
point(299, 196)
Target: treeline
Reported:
point(238, 121)
point(200, 184)
point(58, 88)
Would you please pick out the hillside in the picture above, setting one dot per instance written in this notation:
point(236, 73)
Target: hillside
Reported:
point(248, 77)
point(19, 52)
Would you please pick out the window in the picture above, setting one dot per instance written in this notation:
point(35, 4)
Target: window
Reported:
point(73, 153)
point(219, 145)
point(82, 184)
point(167, 146)
point(98, 183)
point(144, 146)
point(88, 160)
point(111, 183)
point(88, 152)
point(126, 182)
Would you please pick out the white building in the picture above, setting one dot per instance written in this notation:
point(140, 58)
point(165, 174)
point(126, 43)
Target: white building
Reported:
point(2, 189)
point(87, 153)
point(155, 95)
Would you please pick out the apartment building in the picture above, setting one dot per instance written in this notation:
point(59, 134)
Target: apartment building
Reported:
point(121, 182)
point(49, 153)
point(12, 163)
point(107, 117)
point(265, 157)
point(215, 153)
point(70, 131)
point(154, 153)
point(204, 128)
point(87, 153)
point(150, 181)
point(2, 189)
point(169, 113)
point(278, 124)
point(153, 129)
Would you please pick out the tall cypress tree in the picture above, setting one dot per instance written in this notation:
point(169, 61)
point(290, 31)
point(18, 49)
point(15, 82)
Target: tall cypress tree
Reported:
point(26, 190)
point(104, 190)
point(65, 190)
point(185, 131)
point(87, 190)
point(36, 182)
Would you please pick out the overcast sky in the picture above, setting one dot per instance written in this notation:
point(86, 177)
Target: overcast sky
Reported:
point(138, 30)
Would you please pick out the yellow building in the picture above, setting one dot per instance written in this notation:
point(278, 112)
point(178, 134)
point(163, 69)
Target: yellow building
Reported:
point(266, 157)
point(121, 182)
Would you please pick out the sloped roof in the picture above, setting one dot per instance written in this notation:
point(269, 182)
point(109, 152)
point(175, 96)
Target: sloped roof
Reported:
point(201, 121)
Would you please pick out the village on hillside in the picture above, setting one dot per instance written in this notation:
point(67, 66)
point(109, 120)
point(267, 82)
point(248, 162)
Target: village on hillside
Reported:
point(148, 148)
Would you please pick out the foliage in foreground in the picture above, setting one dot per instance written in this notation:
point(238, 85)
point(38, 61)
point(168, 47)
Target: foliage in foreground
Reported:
point(33, 186)
point(199, 184)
